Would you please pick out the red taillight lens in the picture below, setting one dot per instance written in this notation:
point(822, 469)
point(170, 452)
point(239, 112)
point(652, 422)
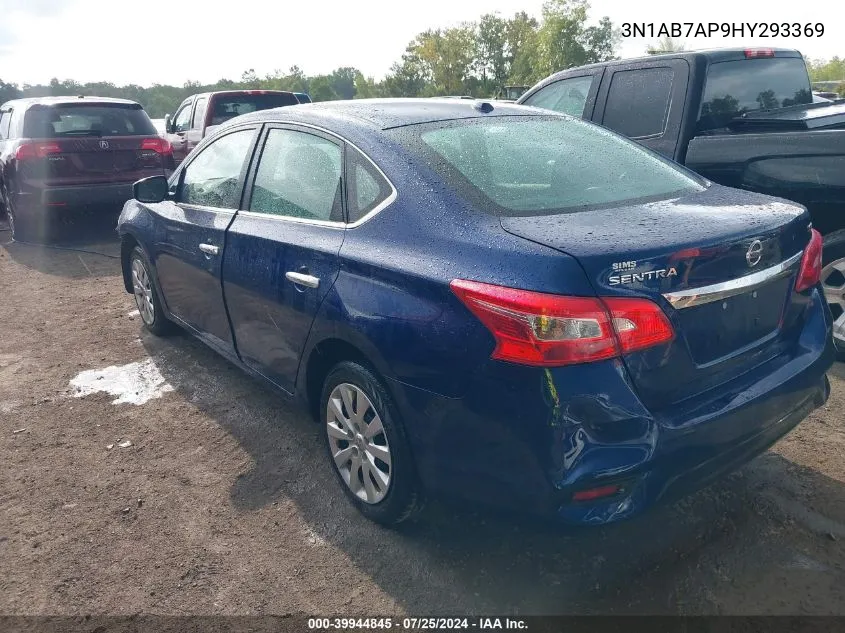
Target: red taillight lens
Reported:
point(595, 493)
point(28, 151)
point(535, 328)
point(811, 263)
point(158, 145)
point(752, 53)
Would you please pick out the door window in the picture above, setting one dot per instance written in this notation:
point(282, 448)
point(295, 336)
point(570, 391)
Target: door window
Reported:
point(568, 96)
point(182, 123)
point(199, 113)
point(638, 102)
point(299, 177)
point(212, 179)
point(367, 188)
point(5, 123)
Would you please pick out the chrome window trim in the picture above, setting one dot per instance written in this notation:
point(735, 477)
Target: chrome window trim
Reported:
point(287, 218)
point(717, 292)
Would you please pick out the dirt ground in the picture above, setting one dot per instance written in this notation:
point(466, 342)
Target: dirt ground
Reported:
point(223, 503)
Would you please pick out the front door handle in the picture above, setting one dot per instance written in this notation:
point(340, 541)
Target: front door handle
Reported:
point(301, 279)
point(210, 249)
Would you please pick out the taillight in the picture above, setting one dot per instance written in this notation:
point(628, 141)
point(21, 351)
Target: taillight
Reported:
point(158, 145)
point(535, 328)
point(811, 263)
point(27, 151)
point(752, 53)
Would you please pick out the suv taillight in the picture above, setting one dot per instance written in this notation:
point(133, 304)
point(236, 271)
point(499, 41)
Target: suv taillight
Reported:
point(157, 145)
point(535, 328)
point(29, 150)
point(811, 263)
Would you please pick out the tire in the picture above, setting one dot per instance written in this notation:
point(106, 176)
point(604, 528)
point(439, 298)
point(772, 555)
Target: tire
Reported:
point(147, 297)
point(23, 229)
point(833, 281)
point(399, 497)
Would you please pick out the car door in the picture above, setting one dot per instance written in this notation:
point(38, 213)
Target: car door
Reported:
point(177, 135)
point(281, 255)
point(573, 95)
point(191, 229)
point(194, 135)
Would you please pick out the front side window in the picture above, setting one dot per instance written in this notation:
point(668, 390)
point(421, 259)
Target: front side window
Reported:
point(568, 96)
point(212, 179)
point(638, 102)
point(182, 122)
point(298, 176)
point(518, 166)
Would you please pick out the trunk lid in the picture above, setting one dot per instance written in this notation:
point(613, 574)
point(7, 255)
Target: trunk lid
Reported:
point(669, 251)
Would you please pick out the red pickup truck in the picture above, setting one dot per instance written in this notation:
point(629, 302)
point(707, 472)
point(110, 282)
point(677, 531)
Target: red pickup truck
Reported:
point(201, 113)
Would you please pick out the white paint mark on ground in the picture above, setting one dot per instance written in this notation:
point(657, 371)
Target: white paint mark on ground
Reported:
point(135, 383)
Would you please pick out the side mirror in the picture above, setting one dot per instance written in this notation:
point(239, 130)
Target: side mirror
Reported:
point(168, 124)
point(150, 190)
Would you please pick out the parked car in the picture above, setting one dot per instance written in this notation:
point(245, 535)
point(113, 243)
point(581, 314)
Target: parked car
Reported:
point(739, 117)
point(58, 154)
point(492, 302)
point(199, 114)
point(302, 97)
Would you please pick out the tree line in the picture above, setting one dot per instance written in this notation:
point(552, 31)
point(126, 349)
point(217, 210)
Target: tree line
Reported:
point(476, 58)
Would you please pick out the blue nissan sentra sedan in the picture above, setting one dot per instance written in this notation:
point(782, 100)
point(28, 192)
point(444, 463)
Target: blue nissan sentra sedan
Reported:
point(490, 302)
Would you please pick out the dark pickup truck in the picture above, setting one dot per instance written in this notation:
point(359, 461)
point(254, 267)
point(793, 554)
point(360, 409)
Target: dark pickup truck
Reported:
point(743, 118)
point(199, 114)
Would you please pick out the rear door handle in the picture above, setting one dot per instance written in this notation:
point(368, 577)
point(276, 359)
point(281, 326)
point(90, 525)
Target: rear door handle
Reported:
point(210, 249)
point(301, 279)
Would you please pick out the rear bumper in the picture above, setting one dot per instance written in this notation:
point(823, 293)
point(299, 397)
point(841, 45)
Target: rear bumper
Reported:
point(112, 194)
point(526, 439)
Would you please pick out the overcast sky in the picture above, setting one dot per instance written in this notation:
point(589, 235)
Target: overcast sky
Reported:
point(171, 41)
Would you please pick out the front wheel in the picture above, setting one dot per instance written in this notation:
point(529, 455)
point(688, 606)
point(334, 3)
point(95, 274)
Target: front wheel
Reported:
point(146, 294)
point(833, 283)
point(367, 446)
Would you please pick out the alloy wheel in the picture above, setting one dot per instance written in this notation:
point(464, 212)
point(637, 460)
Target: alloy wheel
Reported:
point(143, 291)
point(358, 443)
point(833, 283)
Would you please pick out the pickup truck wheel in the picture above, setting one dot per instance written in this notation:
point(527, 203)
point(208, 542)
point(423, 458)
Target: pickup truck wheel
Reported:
point(833, 283)
point(146, 294)
point(367, 447)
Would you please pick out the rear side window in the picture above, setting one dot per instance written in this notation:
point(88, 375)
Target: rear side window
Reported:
point(5, 123)
point(225, 107)
point(568, 96)
point(523, 166)
point(212, 179)
point(638, 102)
point(199, 113)
point(366, 188)
point(298, 177)
point(68, 120)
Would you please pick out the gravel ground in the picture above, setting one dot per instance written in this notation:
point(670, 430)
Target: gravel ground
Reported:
point(223, 503)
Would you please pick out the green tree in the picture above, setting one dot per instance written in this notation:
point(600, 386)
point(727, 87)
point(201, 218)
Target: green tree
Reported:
point(491, 53)
point(564, 39)
point(522, 49)
point(343, 82)
point(665, 45)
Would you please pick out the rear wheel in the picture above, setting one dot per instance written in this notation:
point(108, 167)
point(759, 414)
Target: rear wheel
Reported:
point(833, 282)
point(367, 447)
point(146, 294)
point(23, 228)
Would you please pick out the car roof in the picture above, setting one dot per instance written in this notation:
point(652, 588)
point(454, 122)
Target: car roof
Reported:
point(30, 101)
point(384, 114)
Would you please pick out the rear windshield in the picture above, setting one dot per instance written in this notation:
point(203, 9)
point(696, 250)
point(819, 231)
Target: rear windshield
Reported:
point(518, 166)
point(66, 120)
point(228, 107)
point(749, 85)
